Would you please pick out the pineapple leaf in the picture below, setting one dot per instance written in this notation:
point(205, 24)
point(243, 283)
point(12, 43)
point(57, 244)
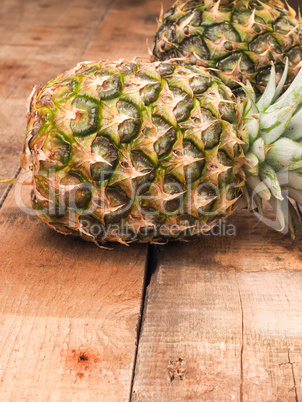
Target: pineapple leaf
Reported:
point(274, 122)
point(285, 154)
point(294, 129)
point(282, 81)
point(258, 148)
point(258, 187)
point(268, 175)
point(267, 98)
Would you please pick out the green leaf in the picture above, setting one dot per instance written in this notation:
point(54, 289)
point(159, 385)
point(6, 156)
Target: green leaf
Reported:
point(274, 122)
point(282, 81)
point(294, 129)
point(285, 154)
point(251, 114)
point(268, 95)
point(258, 187)
point(291, 179)
point(258, 149)
point(277, 207)
point(292, 88)
point(295, 194)
point(268, 175)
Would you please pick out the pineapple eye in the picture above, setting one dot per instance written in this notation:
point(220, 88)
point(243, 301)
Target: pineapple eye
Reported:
point(194, 46)
point(57, 149)
point(184, 106)
point(65, 90)
point(35, 132)
point(200, 84)
point(231, 62)
point(165, 143)
point(118, 202)
point(264, 43)
point(227, 176)
point(101, 171)
point(165, 69)
point(150, 92)
point(110, 88)
point(284, 26)
point(256, 28)
point(193, 170)
point(216, 32)
point(226, 109)
point(77, 193)
point(208, 193)
point(211, 135)
point(173, 186)
point(129, 128)
point(85, 69)
point(86, 119)
point(127, 68)
point(229, 46)
point(143, 165)
point(295, 55)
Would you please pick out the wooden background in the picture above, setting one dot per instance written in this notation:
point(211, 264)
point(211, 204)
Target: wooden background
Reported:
point(219, 319)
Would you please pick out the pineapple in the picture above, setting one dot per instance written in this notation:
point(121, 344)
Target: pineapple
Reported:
point(149, 152)
point(237, 38)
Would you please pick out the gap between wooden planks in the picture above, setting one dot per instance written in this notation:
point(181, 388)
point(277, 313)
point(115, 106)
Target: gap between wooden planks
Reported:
point(47, 60)
point(223, 319)
point(69, 312)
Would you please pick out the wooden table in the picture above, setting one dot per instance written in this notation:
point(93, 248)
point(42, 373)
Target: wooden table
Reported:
point(219, 319)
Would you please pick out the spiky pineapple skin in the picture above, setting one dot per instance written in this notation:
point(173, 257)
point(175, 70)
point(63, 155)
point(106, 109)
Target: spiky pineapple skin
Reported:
point(237, 38)
point(129, 151)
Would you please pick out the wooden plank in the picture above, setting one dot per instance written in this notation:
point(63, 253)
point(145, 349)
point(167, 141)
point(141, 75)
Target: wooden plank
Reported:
point(190, 346)
point(272, 342)
point(129, 30)
point(68, 313)
point(222, 318)
point(37, 42)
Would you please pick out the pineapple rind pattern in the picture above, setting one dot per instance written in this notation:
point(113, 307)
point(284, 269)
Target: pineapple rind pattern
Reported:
point(237, 38)
point(128, 151)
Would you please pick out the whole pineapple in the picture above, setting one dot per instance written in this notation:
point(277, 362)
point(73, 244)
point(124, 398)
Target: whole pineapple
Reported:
point(114, 148)
point(128, 151)
point(237, 38)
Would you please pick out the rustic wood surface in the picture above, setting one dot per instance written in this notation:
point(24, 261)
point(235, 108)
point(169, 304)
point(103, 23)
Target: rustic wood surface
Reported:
point(222, 316)
point(223, 319)
point(69, 312)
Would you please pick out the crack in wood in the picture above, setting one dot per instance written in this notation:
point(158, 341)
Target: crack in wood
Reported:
point(293, 372)
point(151, 264)
point(242, 342)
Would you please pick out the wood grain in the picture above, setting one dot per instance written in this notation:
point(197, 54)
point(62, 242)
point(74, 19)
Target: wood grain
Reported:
point(222, 319)
point(128, 31)
point(69, 313)
point(38, 40)
point(222, 315)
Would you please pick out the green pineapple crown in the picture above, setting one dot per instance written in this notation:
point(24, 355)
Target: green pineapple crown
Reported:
point(274, 149)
